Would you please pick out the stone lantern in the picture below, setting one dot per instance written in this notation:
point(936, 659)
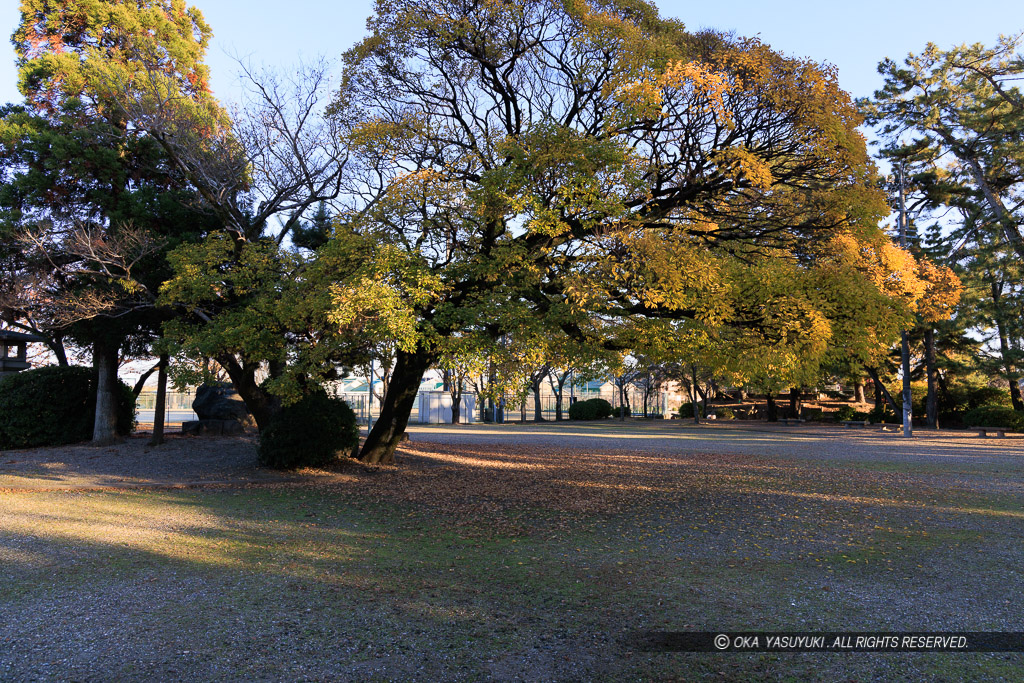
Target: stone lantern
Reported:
point(14, 351)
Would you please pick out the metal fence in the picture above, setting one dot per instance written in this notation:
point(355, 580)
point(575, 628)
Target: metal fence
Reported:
point(179, 406)
point(549, 405)
point(360, 404)
point(177, 409)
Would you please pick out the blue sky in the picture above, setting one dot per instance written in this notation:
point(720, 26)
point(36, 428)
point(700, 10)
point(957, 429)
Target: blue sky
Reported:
point(854, 37)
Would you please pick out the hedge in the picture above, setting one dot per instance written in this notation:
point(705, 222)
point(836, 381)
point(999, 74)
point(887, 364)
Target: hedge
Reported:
point(55, 405)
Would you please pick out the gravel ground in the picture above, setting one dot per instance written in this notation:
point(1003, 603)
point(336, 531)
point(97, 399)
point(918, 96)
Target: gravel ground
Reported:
point(181, 460)
point(820, 443)
point(508, 553)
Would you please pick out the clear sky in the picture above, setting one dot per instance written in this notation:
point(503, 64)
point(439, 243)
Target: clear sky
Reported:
point(853, 36)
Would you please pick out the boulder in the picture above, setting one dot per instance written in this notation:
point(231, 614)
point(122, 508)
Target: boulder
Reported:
point(212, 427)
point(219, 401)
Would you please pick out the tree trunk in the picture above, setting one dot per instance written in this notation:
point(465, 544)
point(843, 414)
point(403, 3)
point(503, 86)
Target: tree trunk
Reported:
point(995, 202)
point(942, 384)
point(104, 430)
point(161, 402)
point(492, 411)
point(398, 402)
point(772, 410)
point(795, 405)
point(538, 409)
point(647, 389)
point(858, 392)
point(141, 384)
point(880, 389)
point(1012, 375)
point(456, 393)
point(702, 396)
point(693, 394)
point(481, 400)
point(56, 345)
point(932, 400)
point(262, 406)
point(622, 401)
point(1015, 396)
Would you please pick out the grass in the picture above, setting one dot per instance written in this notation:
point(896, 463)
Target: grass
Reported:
point(475, 563)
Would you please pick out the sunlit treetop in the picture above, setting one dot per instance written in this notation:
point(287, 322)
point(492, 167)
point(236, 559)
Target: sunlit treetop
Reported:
point(55, 41)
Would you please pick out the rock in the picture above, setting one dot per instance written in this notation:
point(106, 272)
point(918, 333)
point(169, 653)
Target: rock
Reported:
point(220, 401)
point(212, 427)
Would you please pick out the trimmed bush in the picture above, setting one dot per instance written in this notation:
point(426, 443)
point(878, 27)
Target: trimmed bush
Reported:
point(845, 414)
point(55, 405)
point(814, 414)
point(582, 410)
point(313, 432)
point(994, 416)
point(603, 407)
point(724, 414)
point(591, 409)
point(961, 399)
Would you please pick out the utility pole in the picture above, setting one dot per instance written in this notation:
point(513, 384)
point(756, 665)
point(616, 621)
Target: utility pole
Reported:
point(905, 337)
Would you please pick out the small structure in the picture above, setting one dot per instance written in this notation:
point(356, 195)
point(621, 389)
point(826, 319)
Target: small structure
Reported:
point(14, 351)
point(436, 407)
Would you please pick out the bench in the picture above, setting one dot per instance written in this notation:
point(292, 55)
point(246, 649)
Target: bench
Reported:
point(791, 420)
point(983, 431)
point(855, 423)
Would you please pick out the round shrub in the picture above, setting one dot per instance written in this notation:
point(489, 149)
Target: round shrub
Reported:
point(55, 405)
point(724, 414)
point(591, 409)
point(312, 432)
point(603, 407)
point(582, 410)
point(994, 416)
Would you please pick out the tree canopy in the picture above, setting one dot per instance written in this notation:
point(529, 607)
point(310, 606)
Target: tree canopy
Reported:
point(590, 166)
point(497, 180)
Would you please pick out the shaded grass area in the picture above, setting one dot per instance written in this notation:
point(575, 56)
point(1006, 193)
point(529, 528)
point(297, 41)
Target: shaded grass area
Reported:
point(469, 563)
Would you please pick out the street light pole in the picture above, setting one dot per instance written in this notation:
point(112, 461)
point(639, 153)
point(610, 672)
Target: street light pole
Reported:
point(369, 399)
point(905, 337)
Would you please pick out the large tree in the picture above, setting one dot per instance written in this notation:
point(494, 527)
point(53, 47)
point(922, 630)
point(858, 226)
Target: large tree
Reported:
point(588, 162)
point(963, 103)
point(953, 120)
point(255, 172)
point(90, 202)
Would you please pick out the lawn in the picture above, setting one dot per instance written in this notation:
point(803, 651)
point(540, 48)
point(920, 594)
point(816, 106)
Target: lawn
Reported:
point(534, 562)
